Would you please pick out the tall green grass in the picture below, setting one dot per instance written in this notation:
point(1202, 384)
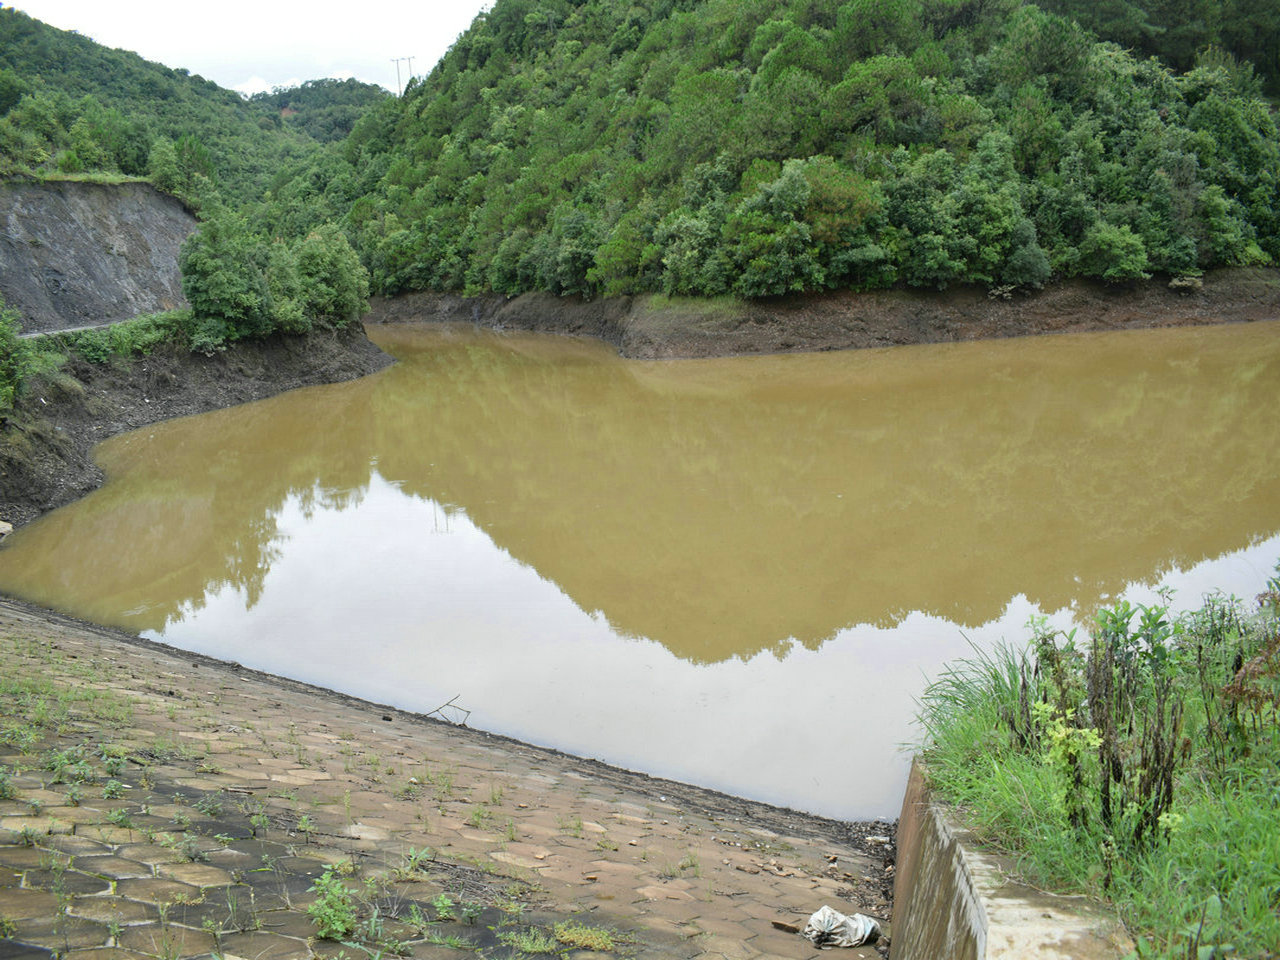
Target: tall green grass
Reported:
point(1027, 744)
point(128, 338)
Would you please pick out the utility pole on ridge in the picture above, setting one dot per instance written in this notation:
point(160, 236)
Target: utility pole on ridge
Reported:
point(397, 61)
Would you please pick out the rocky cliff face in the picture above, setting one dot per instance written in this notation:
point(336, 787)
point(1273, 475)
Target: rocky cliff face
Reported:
point(73, 254)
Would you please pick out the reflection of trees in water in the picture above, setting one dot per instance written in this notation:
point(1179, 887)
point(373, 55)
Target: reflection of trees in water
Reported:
point(728, 507)
point(724, 507)
point(197, 509)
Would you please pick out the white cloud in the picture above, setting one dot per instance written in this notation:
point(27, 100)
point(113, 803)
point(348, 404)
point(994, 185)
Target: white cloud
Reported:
point(249, 45)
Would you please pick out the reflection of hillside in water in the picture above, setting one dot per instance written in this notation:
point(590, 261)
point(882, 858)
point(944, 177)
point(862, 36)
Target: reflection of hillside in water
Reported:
point(723, 507)
point(191, 506)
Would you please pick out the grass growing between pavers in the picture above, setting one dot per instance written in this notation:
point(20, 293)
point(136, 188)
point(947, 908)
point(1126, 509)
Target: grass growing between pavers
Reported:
point(1138, 766)
point(106, 845)
point(169, 805)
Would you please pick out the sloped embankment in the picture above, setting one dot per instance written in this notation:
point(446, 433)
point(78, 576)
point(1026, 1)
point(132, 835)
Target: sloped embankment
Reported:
point(74, 254)
point(650, 327)
point(46, 448)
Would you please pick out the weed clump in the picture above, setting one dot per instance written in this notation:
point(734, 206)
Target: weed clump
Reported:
point(1137, 765)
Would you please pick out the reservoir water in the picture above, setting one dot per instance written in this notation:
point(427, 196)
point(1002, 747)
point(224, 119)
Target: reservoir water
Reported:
point(738, 573)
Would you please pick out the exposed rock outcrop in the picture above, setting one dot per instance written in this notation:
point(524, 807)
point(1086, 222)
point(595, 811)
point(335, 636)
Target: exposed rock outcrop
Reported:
point(74, 254)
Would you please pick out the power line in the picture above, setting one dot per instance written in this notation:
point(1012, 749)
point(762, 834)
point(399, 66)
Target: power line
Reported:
point(397, 61)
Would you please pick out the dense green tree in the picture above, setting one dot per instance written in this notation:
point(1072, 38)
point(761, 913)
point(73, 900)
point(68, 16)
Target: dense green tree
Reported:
point(333, 287)
point(224, 278)
point(12, 89)
point(1113, 253)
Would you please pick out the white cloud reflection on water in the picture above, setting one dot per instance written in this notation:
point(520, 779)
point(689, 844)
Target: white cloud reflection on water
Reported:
point(355, 604)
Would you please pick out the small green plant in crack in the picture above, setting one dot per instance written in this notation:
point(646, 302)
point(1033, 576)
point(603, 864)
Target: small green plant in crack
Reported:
point(120, 817)
point(469, 912)
point(214, 929)
point(334, 909)
point(451, 940)
point(688, 862)
point(531, 940)
point(577, 936)
point(68, 766)
point(443, 906)
point(189, 849)
point(112, 790)
point(572, 826)
point(113, 761)
point(511, 907)
point(8, 928)
point(413, 863)
point(210, 805)
point(417, 920)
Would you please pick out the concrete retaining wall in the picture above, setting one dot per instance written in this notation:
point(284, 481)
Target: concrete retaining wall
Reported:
point(955, 901)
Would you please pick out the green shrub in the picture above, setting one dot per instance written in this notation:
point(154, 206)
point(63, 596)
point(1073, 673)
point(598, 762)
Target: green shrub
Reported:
point(334, 909)
point(1138, 766)
point(15, 358)
point(136, 337)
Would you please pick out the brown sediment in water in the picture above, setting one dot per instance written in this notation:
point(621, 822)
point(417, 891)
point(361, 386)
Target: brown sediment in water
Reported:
point(234, 789)
point(45, 458)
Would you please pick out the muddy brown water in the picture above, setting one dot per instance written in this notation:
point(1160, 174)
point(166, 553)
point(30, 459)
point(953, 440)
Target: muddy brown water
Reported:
point(738, 573)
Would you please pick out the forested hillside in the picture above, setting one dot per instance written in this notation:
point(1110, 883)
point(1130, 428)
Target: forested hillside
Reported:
point(756, 148)
point(696, 147)
point(71, 106)
point(325, 110)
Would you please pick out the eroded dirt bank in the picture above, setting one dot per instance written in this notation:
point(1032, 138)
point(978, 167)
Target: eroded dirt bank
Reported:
point(657, 327)
point(45, 448)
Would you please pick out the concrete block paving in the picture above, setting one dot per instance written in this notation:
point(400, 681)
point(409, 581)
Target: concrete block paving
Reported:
point(162, 805)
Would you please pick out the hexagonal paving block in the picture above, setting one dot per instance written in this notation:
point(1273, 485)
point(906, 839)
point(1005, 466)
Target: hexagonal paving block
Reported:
point(17, 950)
point(157, 891)
point(113, 910)
point(174, 941)
point(60, 932)
point(198, 874)
point(264, 946)
point(26, 904)
point(66, 881)
point(117, 868)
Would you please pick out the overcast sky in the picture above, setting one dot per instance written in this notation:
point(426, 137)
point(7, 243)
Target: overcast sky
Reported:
point(253, 45)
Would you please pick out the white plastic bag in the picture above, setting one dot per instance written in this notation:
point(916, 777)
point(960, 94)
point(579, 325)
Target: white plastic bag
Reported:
point(829, 928)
